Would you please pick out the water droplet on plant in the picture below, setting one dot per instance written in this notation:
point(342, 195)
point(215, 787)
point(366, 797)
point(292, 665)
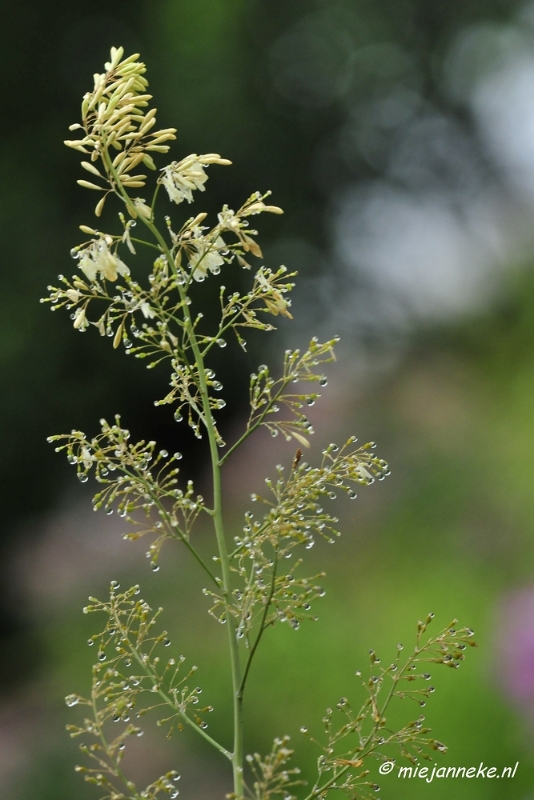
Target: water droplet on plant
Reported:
point(163, 453)
point(101, 656)
point(155, 568)
point(71, 700)
point(221, 342)
point(324, 381)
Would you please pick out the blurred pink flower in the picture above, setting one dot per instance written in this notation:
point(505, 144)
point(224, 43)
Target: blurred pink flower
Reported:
point(515, 648)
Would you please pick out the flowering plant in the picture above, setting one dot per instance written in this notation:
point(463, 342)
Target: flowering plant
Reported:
point(250, 586)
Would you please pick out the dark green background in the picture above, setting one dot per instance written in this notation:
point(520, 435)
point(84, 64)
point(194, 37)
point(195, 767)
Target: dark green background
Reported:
point(451, 531)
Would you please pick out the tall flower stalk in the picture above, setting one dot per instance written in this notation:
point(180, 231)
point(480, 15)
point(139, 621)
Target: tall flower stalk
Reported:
point(250, 586)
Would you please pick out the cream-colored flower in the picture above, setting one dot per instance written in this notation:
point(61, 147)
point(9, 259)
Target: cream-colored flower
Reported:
point(273, 298)
point(364, 473)
point(86, 457)
point(180, 185)
point(73, 295)
point(97, 260)
point(88, 267)
point(142, 207)
point(81, 323)
point(181, 178)
point(207, 259)
point(229, 220)
point(147, 311)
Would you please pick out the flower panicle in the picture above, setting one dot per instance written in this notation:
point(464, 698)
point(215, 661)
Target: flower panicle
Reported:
point(352, 736)
point(114, 118)
point(130, 680)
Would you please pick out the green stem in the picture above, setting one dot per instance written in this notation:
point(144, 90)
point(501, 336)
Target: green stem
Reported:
point(174, 530)
point(256, 424)
point(168, 700)
point(318, 791)
point(237, 755)
point(142, 241)
point(118, 771)
point(261, 629)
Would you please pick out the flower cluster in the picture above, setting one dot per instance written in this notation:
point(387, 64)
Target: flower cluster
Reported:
point(138, 482)
point(364, 733)
point(181, 178)
point(271, 776)
point(113, 116)
point(131, 679)
point(267, 593)
point(255, 586)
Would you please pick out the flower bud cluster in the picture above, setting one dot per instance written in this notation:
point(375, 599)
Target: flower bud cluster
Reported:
point(270, 774)
point(181, 178)
point(113, 116)
point(138, 482)
point(130, 679)
point(364, 733)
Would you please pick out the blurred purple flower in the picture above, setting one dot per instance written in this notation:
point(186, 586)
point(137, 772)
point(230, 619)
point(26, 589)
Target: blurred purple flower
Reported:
point(515, 648)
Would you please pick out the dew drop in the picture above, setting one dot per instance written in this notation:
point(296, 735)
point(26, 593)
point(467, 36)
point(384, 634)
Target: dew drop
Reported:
point(71, 700)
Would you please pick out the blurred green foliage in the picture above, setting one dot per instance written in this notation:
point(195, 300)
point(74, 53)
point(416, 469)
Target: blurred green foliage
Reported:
point(451, 530)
